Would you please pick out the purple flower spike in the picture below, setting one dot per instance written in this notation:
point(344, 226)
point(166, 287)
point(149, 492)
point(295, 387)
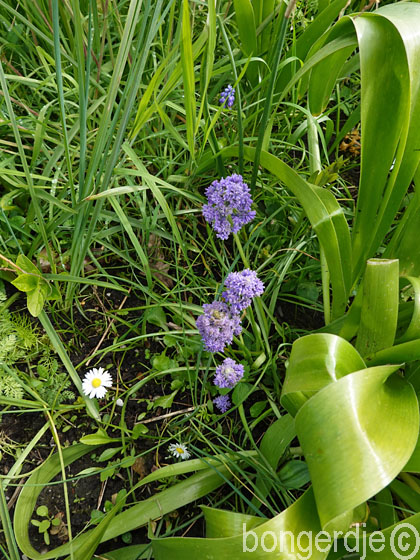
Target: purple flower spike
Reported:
point(217, 326)
point(222, 403)
point(229, 205)
point(227, 95)
point(241, 287)
point(228, 374)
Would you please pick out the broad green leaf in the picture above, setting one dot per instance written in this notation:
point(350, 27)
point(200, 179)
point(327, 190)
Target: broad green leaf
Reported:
point(378, 321)
point(43, 526)
point(26, 282)
point(273, 445)
point(310, 36)
point(156, 316)
point(221, 523)
point(328, 221)
point(317, 360)
point(294, 474)
point(404, 244)
point(400, 353)
point(36, 298)
point(27, 265)
point(263, 9)
point(251, 543)
point(241, 392)
point(405, 19)
point(351, 436)
point(324, 77)
point(381, 47)
point(165, 401)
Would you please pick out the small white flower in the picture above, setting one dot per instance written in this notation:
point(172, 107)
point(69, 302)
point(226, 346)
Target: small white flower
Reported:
point(96, 382)
point(179, 450)
point(119, 402)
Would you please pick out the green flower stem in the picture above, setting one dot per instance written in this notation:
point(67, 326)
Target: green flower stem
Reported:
point(261, 333)
point(238, 99)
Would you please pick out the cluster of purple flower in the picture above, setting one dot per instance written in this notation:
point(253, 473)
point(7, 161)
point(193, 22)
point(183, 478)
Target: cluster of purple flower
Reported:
point(222, 402)
point(227, 210)
point(228, 374)
point(217, 326)
point(241, 287)
point(229, 205)
point(228, 94)
point(221, 321)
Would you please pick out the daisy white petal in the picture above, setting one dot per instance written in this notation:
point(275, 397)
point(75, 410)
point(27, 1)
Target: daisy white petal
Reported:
point(179, 450)
point(95, 383)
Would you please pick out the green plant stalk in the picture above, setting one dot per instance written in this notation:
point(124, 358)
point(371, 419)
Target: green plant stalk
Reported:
point(59, 348)
point(258, 306)
point(238, 99)
point(270, 91)
point(378, 322)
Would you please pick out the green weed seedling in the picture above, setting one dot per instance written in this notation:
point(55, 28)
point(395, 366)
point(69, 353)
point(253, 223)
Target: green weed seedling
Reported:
point(46, 523)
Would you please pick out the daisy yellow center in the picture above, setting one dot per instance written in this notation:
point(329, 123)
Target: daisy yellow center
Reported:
point(96, 382)
point(180, 450)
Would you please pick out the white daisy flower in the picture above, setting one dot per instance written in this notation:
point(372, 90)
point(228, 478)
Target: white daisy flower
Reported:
point(179, 450)
point(96, 382)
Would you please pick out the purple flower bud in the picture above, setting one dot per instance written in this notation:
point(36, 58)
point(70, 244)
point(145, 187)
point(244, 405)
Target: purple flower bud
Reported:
point(217, 326)
point(228, 374)
point(241, 287)
point(222, 403)
point(229, 205)
point(228, 94)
